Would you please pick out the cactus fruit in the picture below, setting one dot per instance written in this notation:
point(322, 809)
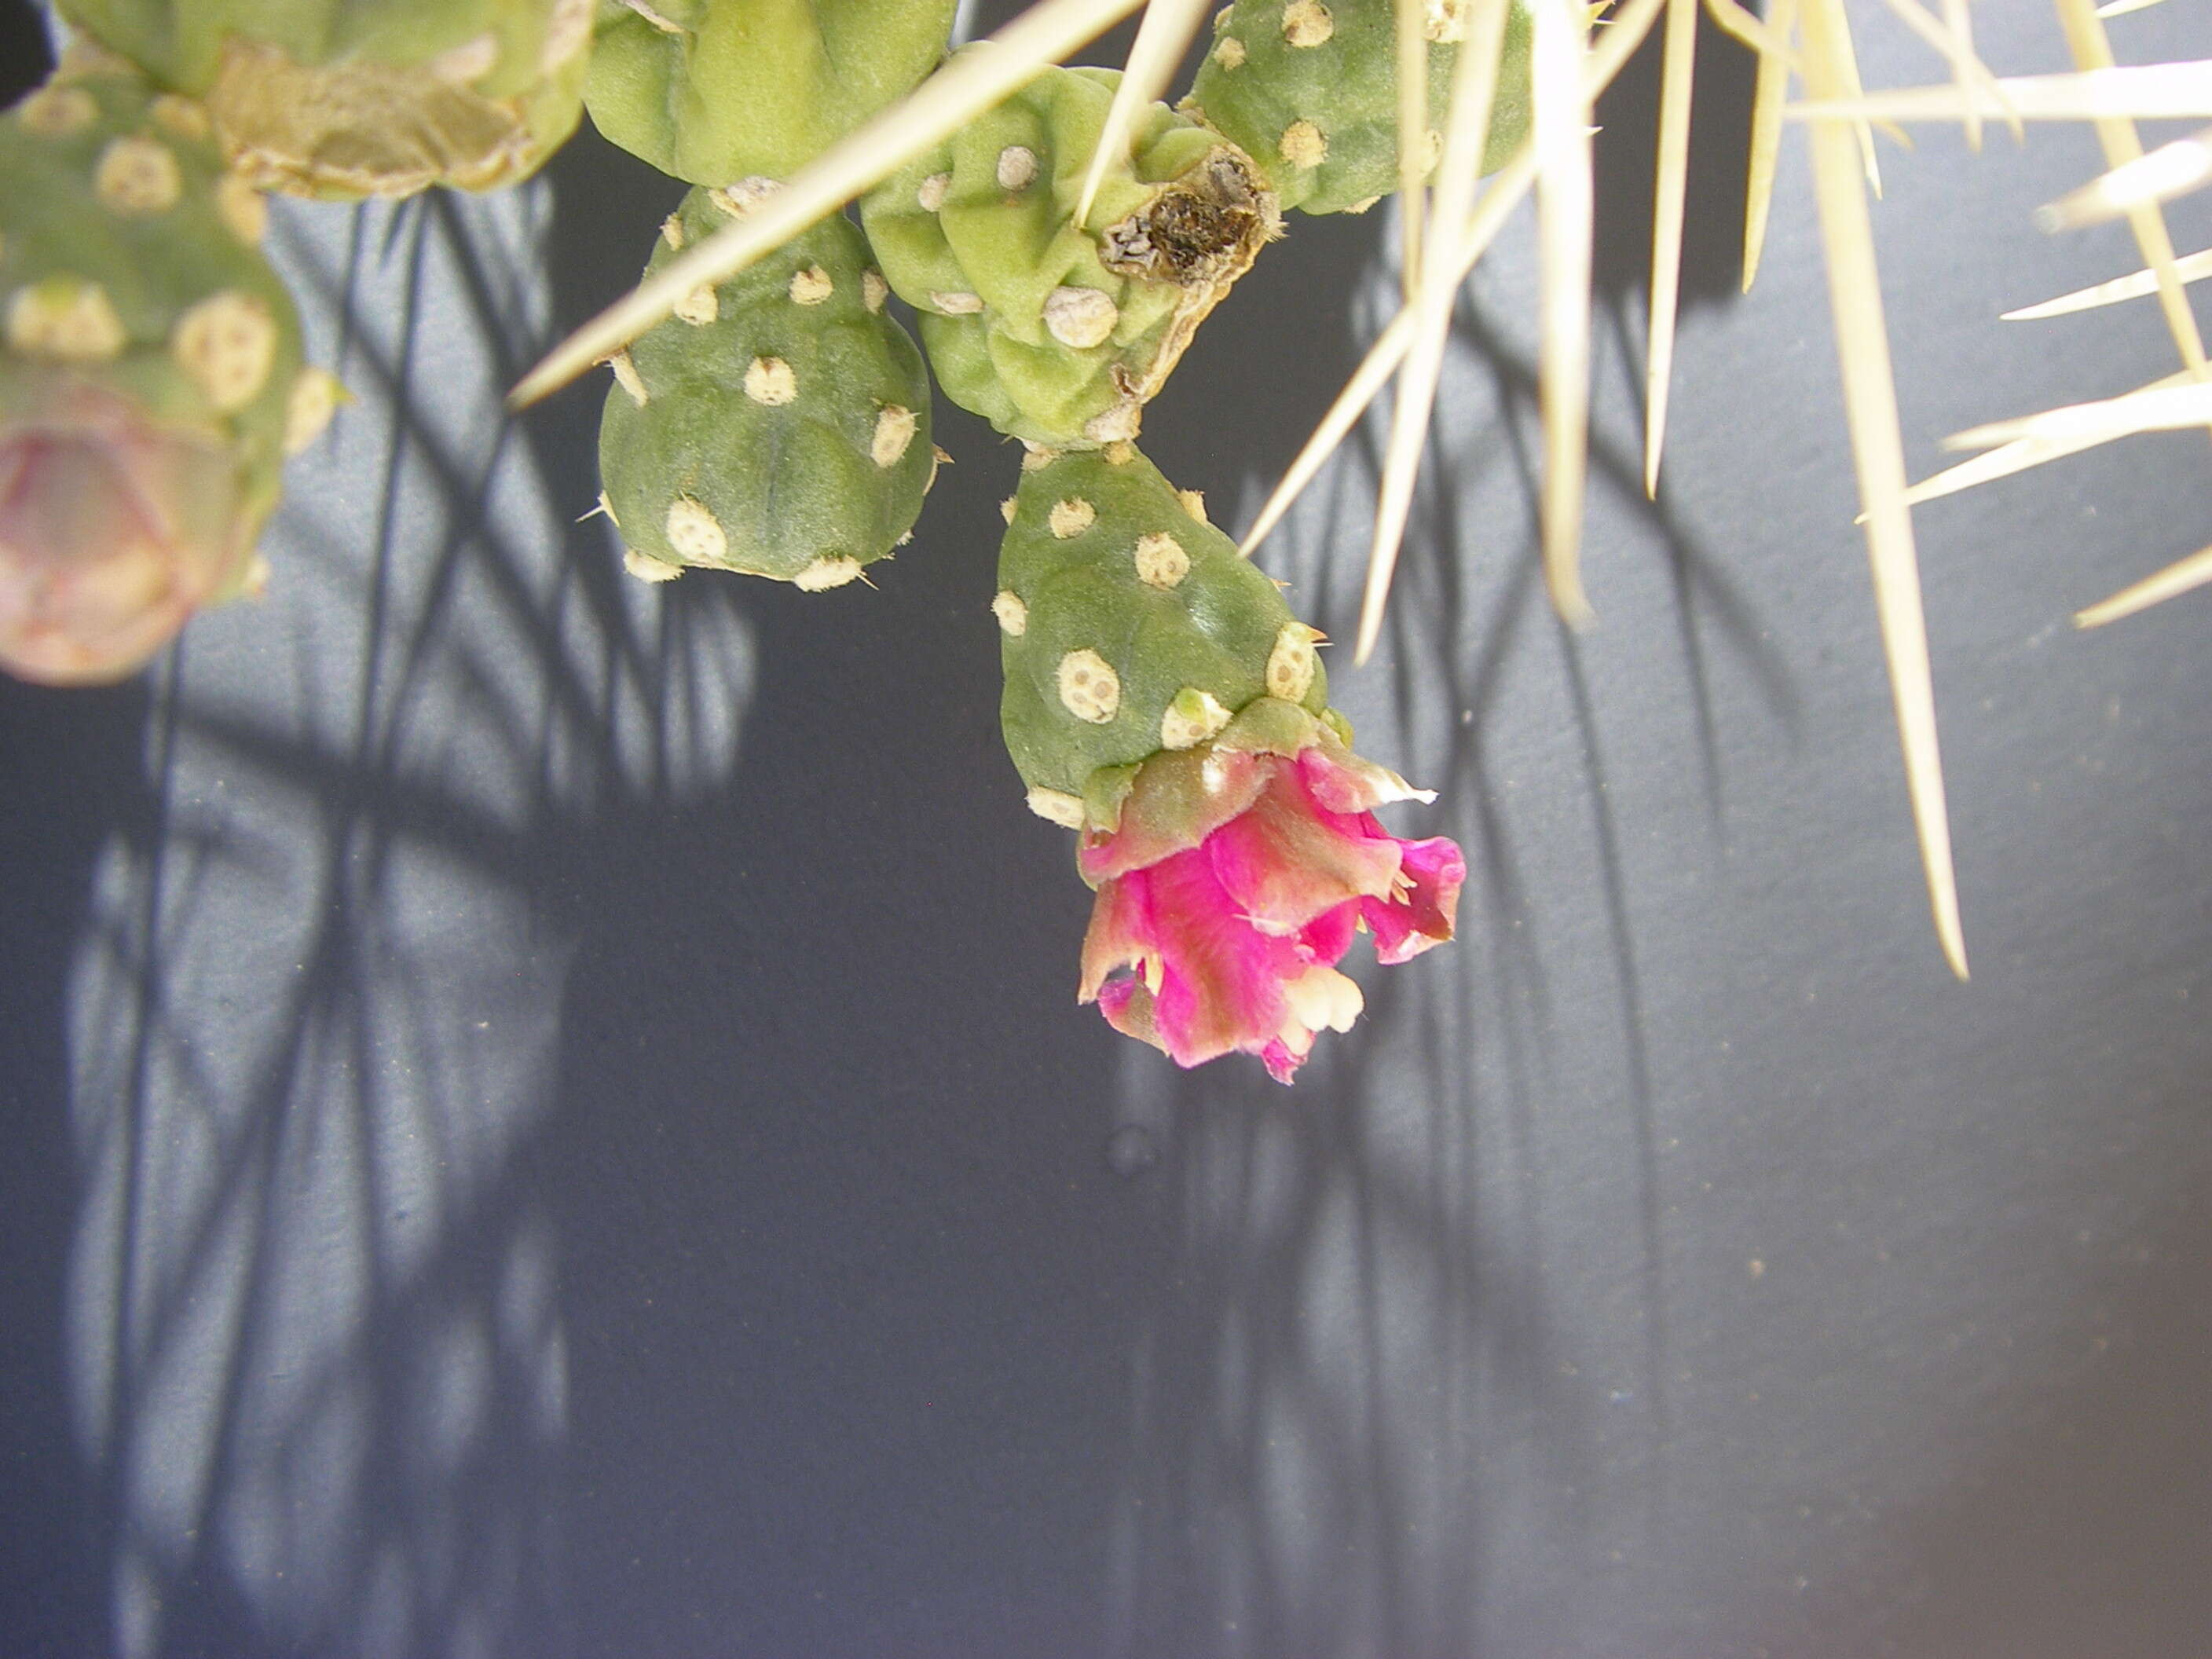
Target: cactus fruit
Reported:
point(1161, 699)
point(326, 99)
point(778, 424)
point(1309, 89)
point(716, 90)
point(1056, 332)
point(151, 375)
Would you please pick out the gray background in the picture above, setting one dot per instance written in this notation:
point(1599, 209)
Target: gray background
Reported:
point(546, 1116)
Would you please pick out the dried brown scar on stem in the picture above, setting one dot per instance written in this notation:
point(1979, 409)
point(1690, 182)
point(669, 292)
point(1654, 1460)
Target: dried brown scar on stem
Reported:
point(1203, 228)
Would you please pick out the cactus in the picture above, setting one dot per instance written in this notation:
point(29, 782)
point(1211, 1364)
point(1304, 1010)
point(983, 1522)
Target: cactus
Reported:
point(1056, 332)
point(1161, 699)
point(777, 424)
point(325, 99)
point(150, 380)
point(718, 90)
point(1128, 624)
point(1309, 89)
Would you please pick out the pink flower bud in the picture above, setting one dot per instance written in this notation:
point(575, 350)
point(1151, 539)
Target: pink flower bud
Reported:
point(113, 529)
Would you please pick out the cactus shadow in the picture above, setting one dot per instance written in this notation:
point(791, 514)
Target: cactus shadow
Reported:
point(552, 1065)
point(1269, 1388)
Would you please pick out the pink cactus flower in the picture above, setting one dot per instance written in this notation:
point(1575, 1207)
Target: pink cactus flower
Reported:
point(113, 530)
point(1233, 884)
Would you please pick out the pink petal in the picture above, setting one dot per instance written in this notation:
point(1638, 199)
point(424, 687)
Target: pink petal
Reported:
point(1344, 782)
point(1221, 985)
point(1329, 935)
point(1282, 1064)
point(1121, 933)
point(1286, 861)
point(1127, 1006)
point(1177, 800)
point(1404, 927)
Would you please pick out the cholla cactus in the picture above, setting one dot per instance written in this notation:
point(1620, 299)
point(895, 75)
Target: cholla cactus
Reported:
point(1128, 624)
point(324, 98)
point(1161, 699)
point(1054, 332)
point(778, 424)
point(718, 90)
point(150, 380)
point(1309, 89)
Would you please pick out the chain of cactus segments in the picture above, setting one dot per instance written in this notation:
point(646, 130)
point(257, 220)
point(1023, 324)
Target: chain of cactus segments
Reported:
point(1160, 699)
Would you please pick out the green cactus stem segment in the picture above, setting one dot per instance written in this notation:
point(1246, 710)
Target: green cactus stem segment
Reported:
point(1128, 627)
point(1309, 89)
point(712, 90)
point(778, 425)
point(151, 377)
